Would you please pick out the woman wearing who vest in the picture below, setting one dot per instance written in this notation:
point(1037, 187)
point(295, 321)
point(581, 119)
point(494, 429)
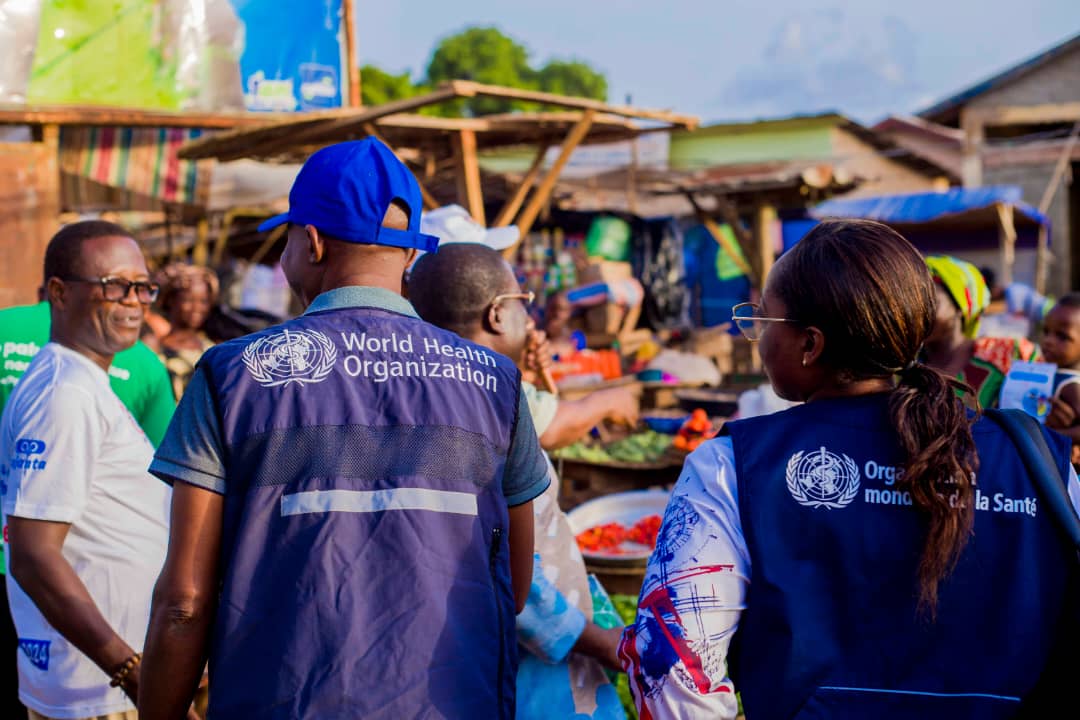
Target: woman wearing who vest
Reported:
point(873, 552)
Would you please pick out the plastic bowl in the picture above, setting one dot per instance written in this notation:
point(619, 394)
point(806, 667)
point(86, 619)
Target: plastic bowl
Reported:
point(667, 424)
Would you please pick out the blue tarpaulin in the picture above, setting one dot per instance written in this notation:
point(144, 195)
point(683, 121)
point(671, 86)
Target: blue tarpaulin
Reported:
point(929, 206)
point(955, 219)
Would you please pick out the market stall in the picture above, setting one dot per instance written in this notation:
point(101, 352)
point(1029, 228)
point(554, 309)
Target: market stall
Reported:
point(987, 226)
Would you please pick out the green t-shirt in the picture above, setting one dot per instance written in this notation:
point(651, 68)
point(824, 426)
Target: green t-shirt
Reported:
point(137, 376)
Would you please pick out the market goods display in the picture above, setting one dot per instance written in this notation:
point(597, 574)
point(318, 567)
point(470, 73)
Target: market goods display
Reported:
point(641, 447)
point(614, 538)
point(697, 429)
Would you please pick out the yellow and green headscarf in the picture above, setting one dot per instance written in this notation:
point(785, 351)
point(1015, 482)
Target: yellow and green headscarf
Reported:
point(965, 285)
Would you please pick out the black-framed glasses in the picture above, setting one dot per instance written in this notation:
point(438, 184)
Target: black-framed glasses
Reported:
point(525, 297)
point(115, 289)
point(747, 317)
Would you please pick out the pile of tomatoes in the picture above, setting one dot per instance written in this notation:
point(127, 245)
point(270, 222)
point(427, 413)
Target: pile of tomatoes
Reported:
point(610, 536)
point(696, 430)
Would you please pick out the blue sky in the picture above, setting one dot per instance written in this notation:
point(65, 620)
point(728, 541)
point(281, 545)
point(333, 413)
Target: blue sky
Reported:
point(744, 59)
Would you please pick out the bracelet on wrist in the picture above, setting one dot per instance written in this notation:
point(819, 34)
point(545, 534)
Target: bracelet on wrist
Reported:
point(121, 673)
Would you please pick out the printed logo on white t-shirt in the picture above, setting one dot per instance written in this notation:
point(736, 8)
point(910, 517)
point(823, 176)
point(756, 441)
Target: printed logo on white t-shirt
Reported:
point(25, 449)
point(37, 651)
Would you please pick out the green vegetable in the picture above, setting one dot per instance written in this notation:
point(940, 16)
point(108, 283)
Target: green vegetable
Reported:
point(643, 447)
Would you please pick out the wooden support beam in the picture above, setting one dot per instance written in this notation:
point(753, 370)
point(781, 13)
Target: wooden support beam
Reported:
point(352, 64)
point(764, 221)
point(971, 163)
point(429, 200)
point(1042, 260)
point(547, 185)
point(730, 213)
point(200, 252)
point(732, 219)
point(329, 129)
point(104, 116)
point(470, 193)
point(1025, 114)
point(468, 88)
point(268, 243)
point(1007, 242)
point(303, 131)
point(510, 209)
point(1042, 250)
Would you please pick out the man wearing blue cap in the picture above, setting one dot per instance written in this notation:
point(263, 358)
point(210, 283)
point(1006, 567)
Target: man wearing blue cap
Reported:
point(352, 526)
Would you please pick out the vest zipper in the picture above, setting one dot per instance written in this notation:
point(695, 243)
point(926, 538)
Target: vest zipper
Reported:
point(496, 541)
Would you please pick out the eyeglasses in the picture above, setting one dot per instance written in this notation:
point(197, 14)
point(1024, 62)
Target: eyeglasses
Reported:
point(115, 289)
point(526, 297)
point(750, 323)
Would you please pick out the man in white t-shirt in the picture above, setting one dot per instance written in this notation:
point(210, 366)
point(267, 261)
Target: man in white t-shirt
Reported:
point(87, 525)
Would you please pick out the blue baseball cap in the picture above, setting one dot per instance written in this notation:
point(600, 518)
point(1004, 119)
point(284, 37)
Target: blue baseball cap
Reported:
point(344, 190)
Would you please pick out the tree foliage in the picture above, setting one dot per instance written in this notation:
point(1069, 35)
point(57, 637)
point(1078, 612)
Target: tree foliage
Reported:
point(484, 55)
point(572, 78)
point(378, 87)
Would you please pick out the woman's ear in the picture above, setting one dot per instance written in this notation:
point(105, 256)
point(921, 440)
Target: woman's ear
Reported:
point(813, 346)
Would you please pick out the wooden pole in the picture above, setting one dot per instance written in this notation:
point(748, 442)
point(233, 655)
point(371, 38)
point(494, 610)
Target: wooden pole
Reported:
point(201, 252)
point(971, 154)
point(1042, 251)
point(470, 192)
point(1042, 260)
point(547, 185)
point(764, 220)
point(631, 178)
point(1007, 241)
point(271, 238)
point(348, 17)
point(509, 210)
point(731, 217)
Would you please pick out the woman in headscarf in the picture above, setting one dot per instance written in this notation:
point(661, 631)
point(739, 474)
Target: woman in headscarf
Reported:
point(954, 346)
point(188, 293)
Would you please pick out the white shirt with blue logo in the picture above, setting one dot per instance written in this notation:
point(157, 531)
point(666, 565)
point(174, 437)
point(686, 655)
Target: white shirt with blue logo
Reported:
point(71, 452)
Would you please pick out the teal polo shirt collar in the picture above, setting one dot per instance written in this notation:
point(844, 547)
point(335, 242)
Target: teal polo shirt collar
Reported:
point(356, 296)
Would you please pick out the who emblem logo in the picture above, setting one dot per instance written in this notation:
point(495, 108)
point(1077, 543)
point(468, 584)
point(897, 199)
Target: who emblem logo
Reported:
point(822, 479)
point(290, 356)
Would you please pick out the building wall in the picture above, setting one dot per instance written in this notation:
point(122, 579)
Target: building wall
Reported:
point(1033, 179)
point(881, 175)
point(942, 152)
point(1055, 82)
point(718, 146)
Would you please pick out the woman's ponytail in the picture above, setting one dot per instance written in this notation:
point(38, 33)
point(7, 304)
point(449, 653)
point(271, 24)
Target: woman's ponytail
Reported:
point(934, 429)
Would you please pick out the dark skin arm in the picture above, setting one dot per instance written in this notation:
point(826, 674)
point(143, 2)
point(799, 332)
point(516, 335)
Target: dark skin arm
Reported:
point(575, 418)
point(47, 577)
point(1065, 413)
point(185, 600)
point(601, 644)
point(521, 552)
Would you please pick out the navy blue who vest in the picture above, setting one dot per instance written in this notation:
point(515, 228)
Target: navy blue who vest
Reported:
point(365, 556)
point(831, 628)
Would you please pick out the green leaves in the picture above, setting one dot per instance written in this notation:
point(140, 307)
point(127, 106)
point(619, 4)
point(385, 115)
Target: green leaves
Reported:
point(484, 55)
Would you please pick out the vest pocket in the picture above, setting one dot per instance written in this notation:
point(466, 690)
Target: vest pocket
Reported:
point(887, 703)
